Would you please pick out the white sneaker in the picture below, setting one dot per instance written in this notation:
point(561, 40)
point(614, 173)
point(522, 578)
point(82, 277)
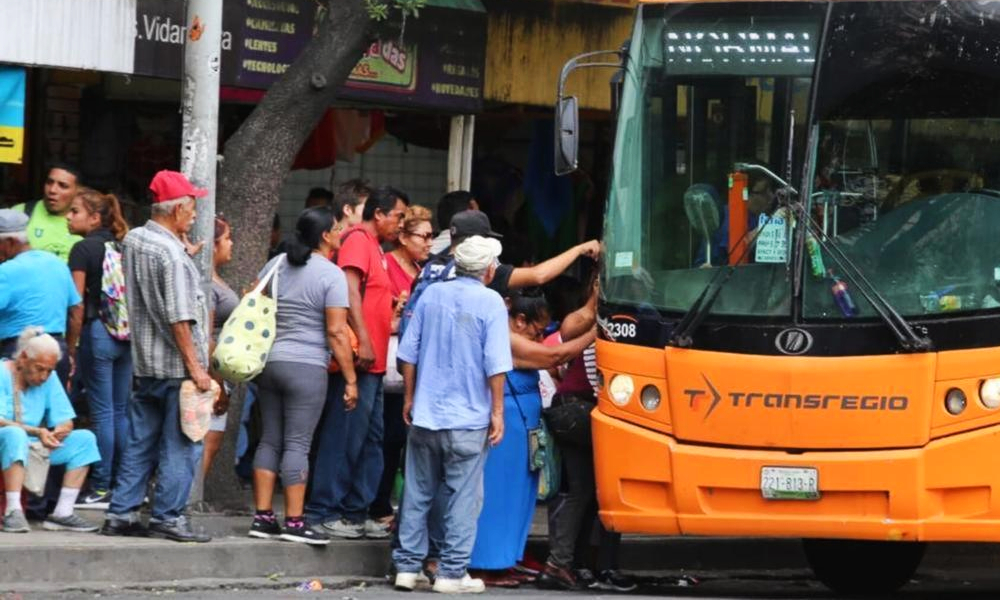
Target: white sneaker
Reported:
point(405, 582)
point(465, 585)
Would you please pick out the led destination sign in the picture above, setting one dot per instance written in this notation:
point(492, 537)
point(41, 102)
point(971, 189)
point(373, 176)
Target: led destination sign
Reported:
point(754, 47)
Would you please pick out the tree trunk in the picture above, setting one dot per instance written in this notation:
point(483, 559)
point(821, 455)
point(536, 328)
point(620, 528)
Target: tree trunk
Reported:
point(257, 159)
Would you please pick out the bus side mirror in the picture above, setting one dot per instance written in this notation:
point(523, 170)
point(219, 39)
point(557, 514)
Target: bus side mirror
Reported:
point(567, 125)
point(567, 144)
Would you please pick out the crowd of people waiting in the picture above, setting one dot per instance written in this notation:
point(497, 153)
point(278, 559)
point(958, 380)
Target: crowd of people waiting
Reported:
point(385, 353)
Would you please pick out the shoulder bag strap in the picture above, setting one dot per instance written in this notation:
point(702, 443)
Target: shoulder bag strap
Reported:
point(272, 273)
point(517, 402)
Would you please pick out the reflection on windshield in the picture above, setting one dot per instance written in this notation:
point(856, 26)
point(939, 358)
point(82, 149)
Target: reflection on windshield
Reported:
point(923, 229)
point(700, 98)
point(907, 167)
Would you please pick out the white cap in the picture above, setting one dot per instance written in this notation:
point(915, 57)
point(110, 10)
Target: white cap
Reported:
point(477, 253)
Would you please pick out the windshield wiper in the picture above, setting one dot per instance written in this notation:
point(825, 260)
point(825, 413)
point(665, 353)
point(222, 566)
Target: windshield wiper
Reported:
point(681, 335)
point(908, 338)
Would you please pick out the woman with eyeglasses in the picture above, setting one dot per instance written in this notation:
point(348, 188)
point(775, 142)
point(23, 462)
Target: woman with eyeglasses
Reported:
point(403, 264)
point(412, 248)
point(510, 489)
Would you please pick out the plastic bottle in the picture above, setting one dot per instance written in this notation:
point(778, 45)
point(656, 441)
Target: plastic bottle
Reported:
point(815, 256)
point(842, 297)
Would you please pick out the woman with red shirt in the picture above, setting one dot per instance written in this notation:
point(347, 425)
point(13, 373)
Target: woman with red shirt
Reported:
point(403, 264)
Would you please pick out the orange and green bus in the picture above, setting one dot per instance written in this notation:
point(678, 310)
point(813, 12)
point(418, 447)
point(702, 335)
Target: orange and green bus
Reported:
point(800, 293)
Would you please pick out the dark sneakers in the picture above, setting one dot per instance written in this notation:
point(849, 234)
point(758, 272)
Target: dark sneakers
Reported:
point(178, 531)
point(264, 528)
point(303, 534)
point(554, 577)
point(613, 581)
point(124, 529)
point(96, 500)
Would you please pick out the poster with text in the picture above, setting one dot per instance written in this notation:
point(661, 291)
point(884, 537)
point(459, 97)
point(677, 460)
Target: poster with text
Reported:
point(12, 84)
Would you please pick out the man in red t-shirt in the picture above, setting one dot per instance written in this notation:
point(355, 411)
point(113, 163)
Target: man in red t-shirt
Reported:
point(349, 448)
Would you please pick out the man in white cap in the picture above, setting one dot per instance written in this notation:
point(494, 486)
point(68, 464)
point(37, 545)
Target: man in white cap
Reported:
point(460, 339)
point(36, 288)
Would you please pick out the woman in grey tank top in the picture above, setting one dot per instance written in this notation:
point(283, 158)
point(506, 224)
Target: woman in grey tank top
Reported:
point(224, 301)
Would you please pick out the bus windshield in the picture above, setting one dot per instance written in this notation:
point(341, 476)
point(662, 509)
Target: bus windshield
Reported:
point(906, 177)
point(707, 86)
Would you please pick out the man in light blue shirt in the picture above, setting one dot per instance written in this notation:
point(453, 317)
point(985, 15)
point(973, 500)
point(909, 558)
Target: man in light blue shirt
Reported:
point(36, 289)
point(460, 339)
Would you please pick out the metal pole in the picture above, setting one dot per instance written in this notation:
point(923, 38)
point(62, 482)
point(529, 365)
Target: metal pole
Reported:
point(467, 140)
point(199, 144)
point(455, 144)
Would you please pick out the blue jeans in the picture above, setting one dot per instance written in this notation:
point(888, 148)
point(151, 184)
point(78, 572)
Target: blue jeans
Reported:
point(155, 439)
point(448, 462)
point(348, 453)
point(108, 381)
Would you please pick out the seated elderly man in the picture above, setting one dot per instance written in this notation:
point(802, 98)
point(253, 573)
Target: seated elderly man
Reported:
point(29, 392)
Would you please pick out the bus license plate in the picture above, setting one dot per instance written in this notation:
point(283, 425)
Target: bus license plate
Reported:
point(787, 483)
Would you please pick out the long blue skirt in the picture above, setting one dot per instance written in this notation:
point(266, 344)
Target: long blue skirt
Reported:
point(510, 489)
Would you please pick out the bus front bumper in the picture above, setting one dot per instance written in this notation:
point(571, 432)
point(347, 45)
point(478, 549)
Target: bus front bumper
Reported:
point(649, 482)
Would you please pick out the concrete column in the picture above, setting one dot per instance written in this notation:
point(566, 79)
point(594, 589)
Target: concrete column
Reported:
point(460, 152)
point(455, 154)
point(467, 139)
point(199, 144)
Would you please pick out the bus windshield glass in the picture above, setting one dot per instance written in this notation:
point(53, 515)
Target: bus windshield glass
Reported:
point(708, 86)
point(906, 177)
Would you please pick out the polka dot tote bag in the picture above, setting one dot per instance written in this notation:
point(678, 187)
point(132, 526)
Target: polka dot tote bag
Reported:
point(246, 337)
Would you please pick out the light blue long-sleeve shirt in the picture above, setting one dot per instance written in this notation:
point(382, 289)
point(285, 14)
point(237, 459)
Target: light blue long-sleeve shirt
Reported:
point(458, 338)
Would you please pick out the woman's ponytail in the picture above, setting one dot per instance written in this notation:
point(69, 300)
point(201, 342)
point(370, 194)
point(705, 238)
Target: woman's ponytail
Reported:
point(309, 230)
point(116, 220)
point(108, 208)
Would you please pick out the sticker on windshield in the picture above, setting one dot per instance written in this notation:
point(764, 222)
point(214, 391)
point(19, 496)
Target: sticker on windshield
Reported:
point(772, 243)
point(623, 260)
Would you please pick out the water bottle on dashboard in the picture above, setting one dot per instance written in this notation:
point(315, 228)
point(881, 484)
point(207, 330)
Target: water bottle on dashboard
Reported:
point(842, 297)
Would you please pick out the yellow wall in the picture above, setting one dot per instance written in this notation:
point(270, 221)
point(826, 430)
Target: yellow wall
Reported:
point(528, 47)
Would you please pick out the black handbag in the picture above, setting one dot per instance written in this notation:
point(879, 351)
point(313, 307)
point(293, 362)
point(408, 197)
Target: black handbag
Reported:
point(569, 418)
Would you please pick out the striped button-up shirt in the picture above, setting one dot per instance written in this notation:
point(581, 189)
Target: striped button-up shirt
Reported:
point(162, 287)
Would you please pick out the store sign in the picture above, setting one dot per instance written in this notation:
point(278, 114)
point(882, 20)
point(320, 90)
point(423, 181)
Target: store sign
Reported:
point(438, 66)
point(12, 83)
point(386, 67)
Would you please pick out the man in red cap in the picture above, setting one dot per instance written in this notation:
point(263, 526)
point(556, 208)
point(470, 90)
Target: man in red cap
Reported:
point(166, 308)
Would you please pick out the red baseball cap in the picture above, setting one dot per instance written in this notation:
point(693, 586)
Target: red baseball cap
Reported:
point(171, 185)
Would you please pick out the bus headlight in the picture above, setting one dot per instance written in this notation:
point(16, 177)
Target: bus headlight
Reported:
point(621, 389)
point(650, 398)
point(989, 393)
point(954, 401)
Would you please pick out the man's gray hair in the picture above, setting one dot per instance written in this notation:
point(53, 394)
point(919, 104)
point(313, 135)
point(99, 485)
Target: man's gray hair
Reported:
point(166, 208)
point(34, 342)
point(20, 236)
point(477, 274)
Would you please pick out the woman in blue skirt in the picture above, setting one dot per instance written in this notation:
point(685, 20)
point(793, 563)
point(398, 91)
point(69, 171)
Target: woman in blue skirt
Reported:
point(510, 488)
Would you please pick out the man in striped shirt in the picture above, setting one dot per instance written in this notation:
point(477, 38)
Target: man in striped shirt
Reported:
point(166, 309)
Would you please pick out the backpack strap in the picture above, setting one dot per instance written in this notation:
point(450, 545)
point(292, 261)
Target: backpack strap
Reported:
point(29, 207)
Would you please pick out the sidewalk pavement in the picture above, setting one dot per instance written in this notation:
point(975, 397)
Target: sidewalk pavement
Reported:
point(51, 560)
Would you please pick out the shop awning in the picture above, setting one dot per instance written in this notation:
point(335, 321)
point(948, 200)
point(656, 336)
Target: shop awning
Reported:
point(473, 5)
